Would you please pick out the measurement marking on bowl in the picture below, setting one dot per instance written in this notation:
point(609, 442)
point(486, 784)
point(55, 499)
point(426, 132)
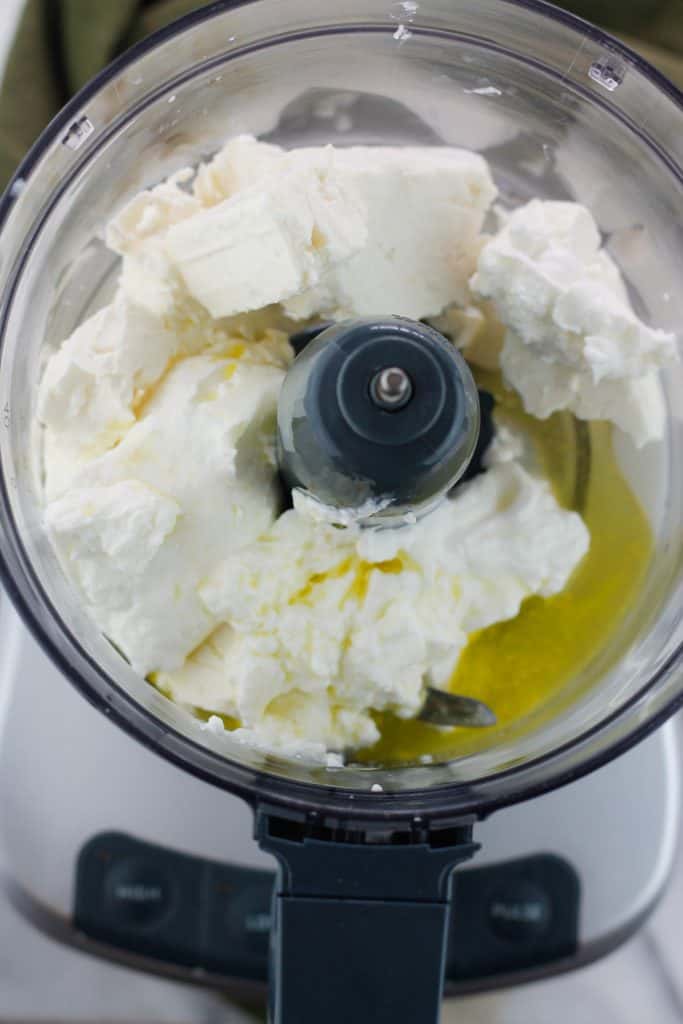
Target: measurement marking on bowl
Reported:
point(78, 132)
point(608, 71)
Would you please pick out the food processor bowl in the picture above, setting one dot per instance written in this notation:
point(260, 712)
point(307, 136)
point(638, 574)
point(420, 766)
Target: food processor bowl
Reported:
point(560, 111)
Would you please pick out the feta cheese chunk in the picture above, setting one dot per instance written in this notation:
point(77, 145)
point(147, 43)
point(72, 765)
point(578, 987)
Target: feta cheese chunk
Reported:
point(192, 481)
point(121, 526)
point(93, 386)
point(151, 212)
point(240, 163)
point(270, 241)
point(88, 389)
point(634, 404)
point(137, 231)
point(425, 209)
point(325, 231)
point(573, 341)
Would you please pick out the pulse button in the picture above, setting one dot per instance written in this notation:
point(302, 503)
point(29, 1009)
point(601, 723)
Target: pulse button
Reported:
point(139, 893)
point(519, 911)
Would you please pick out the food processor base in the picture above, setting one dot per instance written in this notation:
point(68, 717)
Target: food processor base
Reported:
point(112, 849)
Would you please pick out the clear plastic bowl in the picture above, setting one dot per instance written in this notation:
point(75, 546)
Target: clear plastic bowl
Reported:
point(558, 109)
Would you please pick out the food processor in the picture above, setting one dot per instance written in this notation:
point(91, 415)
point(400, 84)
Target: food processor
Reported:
point(368, 914)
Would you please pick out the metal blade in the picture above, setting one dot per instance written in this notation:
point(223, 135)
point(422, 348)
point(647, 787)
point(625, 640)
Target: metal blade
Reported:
point(449, 709)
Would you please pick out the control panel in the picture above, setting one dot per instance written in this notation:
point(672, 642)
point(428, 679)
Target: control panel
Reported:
point(176, 909)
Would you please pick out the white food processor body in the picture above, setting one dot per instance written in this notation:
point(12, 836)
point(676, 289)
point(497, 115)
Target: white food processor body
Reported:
point(559, 111)
point(184, 891)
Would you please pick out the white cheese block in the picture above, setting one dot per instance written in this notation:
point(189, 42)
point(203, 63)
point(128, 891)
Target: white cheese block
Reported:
point(268, 242)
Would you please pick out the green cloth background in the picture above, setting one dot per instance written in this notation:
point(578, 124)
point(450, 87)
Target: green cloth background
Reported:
point(60, 44)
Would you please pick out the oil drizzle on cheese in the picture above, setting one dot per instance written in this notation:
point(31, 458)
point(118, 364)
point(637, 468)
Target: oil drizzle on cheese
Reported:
point(519, 665)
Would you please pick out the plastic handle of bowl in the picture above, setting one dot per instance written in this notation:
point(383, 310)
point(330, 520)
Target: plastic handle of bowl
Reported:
point(360, 928)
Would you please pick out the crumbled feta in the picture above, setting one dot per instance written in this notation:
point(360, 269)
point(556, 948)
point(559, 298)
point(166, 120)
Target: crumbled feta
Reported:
point(150, 212)
point(88, 390)
point(190, 482)
point(239, 164)
point(326, 624)
point(573, 341)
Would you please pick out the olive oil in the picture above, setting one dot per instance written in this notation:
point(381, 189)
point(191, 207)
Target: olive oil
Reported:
point(519, 665)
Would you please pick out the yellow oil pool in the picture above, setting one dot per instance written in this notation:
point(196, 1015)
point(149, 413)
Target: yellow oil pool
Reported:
point(517, 666)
